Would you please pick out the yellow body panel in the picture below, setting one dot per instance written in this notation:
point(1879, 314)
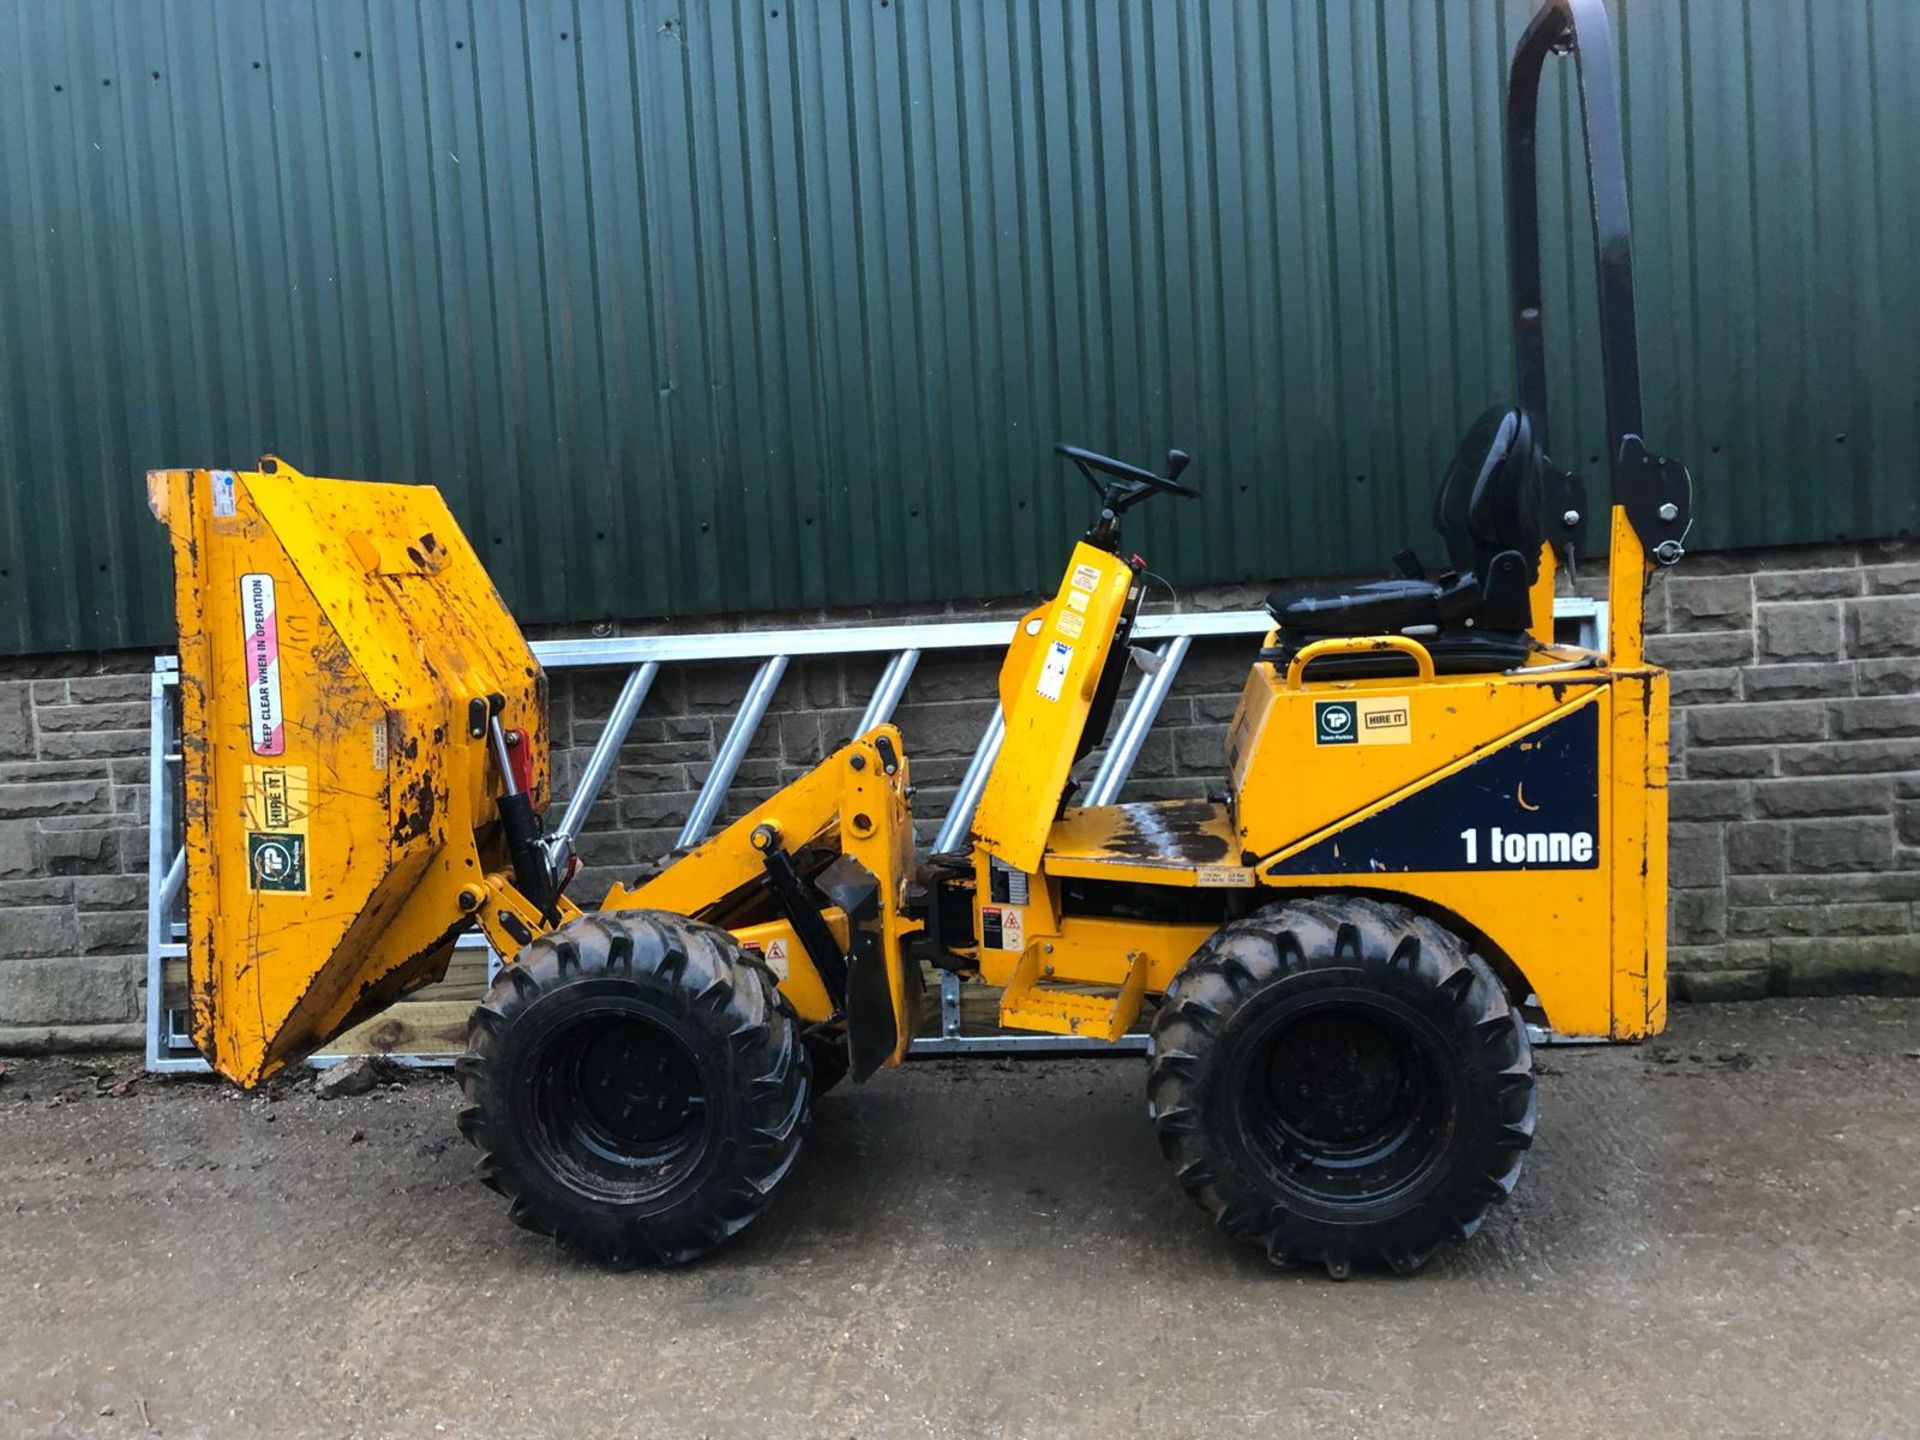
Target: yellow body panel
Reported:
point(332, 634)
point(778, 944)
point(1171, 842)
point(851, 801)
point(1099, 950)
point(1047, 687)
point(1585, 937)
point(1290, 786)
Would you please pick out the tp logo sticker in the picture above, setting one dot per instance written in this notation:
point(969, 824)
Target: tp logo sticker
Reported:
point(277, 862)
point(1377, 720)
point(260, 643)
point(1333, 723)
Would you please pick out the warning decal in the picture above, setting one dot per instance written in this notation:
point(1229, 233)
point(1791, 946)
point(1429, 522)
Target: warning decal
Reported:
point(260, 643)
point(1053, 673)
point(1069, 624)
point(1003, 927)
point(774, 953)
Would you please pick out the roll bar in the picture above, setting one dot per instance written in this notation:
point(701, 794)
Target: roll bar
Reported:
point(1654, 492)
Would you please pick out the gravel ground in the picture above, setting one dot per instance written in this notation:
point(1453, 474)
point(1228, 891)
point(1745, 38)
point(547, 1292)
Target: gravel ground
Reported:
point(1718, 1233)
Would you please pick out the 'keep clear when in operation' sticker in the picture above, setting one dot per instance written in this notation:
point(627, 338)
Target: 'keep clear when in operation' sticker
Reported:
point(1053, 672)
point(260, 644)
point(276, 808)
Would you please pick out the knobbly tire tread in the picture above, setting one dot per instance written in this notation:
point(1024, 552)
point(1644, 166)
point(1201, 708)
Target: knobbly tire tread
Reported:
point(1377, 942)
point(731, 1007)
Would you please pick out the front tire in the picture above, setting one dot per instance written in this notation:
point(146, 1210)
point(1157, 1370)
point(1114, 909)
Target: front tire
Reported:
point(637, 1087)
point(1341, 1081)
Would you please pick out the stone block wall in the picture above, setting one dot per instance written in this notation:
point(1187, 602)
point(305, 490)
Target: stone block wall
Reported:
point(73, 848)
point(1795, 783)
point(1796, 769)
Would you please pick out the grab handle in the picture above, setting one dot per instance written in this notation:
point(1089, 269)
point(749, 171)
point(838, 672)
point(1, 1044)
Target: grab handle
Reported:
point(1360, 645)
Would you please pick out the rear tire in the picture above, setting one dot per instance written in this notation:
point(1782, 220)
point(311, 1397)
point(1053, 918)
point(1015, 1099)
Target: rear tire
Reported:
point(1341, 1081)
point(637, 1087)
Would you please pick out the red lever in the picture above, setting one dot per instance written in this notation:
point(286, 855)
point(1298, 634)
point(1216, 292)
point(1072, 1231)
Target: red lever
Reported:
point(520, 757)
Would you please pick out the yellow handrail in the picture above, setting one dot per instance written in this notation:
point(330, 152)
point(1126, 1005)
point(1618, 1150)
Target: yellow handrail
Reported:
point(1359, 645)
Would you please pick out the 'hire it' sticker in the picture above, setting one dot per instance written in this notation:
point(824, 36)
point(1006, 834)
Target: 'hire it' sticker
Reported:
point(276, 797)
point(260, 643)
point(277, 809)
point(1379, 720)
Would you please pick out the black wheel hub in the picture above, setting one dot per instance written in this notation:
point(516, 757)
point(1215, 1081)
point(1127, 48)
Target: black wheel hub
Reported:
point(1336, 1081)
point(620, 1105)
point(636, 1086)
point(1346, 1104)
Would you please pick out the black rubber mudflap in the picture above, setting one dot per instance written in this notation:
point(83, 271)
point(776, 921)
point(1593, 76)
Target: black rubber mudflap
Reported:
point(871, 1033)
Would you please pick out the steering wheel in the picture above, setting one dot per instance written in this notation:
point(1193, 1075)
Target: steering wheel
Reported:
point(1134, 484)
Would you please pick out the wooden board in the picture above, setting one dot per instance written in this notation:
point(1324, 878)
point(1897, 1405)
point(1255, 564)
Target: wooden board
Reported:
point(429, 1025)
point(433, 1030)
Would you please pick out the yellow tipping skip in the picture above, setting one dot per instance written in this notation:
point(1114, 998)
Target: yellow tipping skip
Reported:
point(335, 639)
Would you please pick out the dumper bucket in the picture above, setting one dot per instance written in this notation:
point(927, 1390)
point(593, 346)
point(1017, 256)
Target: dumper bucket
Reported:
point(340, 644)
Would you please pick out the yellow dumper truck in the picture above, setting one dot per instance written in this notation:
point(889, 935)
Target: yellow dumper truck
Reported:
point(1431, 813)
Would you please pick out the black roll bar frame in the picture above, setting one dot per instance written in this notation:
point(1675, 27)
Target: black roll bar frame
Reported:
point(1655, 492)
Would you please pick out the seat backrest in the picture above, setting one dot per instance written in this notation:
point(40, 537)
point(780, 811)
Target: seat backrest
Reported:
point(1490, 499)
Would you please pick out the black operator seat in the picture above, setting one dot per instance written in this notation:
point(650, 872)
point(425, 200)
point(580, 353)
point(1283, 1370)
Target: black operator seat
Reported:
point(1474, 616)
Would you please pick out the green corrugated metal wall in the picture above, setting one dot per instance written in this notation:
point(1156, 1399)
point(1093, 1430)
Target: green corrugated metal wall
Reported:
point(701, 306)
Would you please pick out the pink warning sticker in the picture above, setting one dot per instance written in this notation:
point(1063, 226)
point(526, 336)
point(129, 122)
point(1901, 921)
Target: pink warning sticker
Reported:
point(260, 641)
